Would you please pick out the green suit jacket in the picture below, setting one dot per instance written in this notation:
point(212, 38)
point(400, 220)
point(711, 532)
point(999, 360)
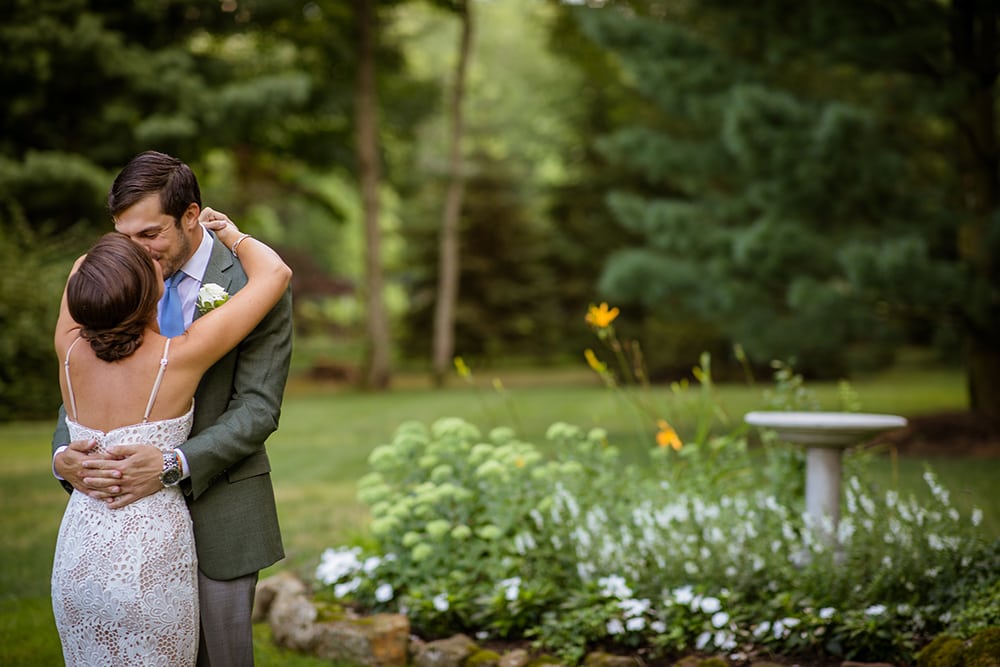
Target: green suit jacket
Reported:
point(237, 406)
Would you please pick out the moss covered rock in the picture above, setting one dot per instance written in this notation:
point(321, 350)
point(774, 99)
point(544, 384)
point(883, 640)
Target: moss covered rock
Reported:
point(984, 649)
point(484, 657)
point(981, 650)
point(944, 651)
point(713, 662)
point(602, 659)
point(696, 661)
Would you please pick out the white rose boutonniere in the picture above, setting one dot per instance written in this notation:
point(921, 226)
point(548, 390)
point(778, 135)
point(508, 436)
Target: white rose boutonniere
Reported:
point(210, 296)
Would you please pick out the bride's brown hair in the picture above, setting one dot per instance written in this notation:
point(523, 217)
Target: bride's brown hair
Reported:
point(113, 296)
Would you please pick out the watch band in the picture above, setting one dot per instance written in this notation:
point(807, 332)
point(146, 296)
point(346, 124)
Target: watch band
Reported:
point(171, 474)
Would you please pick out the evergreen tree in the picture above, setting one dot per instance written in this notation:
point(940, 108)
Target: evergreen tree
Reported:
point(793, 188)
point(506, 304)
point(255, 95)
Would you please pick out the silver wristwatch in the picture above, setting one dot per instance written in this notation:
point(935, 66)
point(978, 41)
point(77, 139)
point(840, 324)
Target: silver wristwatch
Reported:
point(171, 469)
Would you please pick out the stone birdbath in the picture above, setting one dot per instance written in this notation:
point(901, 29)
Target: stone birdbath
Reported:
point(825, 436)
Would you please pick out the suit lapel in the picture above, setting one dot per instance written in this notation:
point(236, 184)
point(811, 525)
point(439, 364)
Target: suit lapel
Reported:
point(218, 269)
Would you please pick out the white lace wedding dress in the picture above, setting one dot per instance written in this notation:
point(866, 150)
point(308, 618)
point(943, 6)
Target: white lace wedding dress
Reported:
point(125, 581)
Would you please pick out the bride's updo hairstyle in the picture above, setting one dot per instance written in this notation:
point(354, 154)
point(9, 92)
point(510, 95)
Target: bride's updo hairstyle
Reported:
point(113, 296)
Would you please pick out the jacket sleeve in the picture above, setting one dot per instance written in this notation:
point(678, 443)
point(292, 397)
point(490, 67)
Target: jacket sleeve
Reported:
point(238, 403)
point(59, 438)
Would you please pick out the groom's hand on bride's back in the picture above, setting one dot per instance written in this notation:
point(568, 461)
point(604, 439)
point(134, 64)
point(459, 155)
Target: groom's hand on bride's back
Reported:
point(134, 473)
point(69, 465)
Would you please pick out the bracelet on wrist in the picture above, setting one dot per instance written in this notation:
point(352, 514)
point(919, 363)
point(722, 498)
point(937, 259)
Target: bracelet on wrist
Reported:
point(238, 242)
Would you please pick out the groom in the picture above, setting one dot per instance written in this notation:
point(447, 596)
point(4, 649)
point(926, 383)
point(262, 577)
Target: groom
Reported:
point(224, 469)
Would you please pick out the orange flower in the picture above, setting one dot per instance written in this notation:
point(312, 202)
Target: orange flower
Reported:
point(601, 316)
point(667, 436)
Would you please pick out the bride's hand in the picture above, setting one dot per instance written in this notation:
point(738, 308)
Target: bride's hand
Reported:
point(224, 228)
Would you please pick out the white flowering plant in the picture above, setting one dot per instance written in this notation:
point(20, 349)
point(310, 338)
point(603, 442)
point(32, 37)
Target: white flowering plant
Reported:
point(488, 535)
point(705, 545)
point(210, 297)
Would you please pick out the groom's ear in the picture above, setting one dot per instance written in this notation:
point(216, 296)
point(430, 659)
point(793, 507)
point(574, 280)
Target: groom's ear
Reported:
point(190, 217)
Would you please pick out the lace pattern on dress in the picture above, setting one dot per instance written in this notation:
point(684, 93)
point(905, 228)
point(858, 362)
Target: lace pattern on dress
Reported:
point(125, 581)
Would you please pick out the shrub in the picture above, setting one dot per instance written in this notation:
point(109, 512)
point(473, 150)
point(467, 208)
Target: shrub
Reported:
point(704, 546)
point(487, 535)
point(34, 275)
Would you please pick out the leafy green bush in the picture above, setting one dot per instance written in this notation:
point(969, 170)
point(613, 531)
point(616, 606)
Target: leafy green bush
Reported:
point(488, 535)
point(33, 279)
point(705, 545)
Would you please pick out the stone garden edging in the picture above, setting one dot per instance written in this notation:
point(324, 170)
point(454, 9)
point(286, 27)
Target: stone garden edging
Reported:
point(384, 640)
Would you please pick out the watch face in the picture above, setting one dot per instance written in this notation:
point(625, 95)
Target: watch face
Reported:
point(171, 477)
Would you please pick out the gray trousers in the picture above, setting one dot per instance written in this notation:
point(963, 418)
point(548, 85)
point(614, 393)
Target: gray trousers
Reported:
point(226, 630)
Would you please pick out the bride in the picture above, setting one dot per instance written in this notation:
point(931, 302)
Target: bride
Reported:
point(124, 581)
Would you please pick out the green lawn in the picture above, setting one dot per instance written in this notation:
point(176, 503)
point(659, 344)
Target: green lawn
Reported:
point(326, 435)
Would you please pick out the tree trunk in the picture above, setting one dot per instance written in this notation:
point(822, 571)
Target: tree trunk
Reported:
point(448, 244)
point(975, 46)
point(376, 372)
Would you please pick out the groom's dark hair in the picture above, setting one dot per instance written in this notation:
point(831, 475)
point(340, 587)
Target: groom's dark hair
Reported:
point(152, 172)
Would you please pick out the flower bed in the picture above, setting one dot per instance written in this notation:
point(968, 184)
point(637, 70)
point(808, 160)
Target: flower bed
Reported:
point(707, 550)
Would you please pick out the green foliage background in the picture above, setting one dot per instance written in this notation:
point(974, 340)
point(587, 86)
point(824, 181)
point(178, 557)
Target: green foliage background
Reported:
point(781, 190)
point(784, 178)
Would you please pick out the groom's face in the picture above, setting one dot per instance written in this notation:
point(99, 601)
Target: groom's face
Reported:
point(171, 246)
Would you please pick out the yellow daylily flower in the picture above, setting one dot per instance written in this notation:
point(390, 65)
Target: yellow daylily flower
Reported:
point(601, 316)
point(596, 364)
point(667, 436)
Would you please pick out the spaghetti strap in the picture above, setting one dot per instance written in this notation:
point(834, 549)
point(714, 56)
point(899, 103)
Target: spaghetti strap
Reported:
point(156, 385)
point(69, 383)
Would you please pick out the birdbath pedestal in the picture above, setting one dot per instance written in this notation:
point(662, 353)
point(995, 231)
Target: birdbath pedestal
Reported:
point(825, 435)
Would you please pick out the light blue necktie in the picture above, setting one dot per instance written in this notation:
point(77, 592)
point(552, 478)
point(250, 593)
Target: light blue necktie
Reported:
point(171, 312)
